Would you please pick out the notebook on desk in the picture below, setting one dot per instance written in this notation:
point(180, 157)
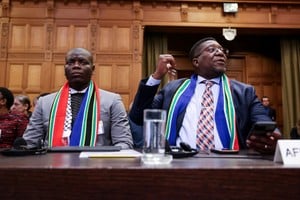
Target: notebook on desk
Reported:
point(85, 148)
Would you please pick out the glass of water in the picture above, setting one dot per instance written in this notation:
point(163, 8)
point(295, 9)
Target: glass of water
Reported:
point(154, 137)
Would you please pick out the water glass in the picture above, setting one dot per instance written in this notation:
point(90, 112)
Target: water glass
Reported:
point(154, 137)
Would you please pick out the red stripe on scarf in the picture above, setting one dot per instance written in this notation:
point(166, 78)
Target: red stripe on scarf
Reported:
point(60, 117)
point(236, 145)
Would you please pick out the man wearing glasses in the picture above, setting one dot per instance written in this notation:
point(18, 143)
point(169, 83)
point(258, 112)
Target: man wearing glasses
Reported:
point(208, 110)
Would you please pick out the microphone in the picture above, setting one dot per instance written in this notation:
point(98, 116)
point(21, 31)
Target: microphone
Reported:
point(20, 148)
point(186, 147)
point(183, 151)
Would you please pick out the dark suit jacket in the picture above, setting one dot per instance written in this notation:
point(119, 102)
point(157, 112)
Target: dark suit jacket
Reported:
point(272, 113)
point(294, 133)
point(248, 107)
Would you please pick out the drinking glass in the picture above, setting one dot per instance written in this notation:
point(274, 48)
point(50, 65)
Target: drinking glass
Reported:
point(154, 137)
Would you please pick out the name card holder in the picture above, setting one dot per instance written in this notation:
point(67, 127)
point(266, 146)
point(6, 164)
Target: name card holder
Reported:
point(288, 152)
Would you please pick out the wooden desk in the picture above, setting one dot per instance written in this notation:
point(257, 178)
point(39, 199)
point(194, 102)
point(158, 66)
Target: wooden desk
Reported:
point(66, 176)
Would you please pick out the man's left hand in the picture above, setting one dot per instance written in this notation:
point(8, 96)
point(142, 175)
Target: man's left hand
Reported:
point(264, 144)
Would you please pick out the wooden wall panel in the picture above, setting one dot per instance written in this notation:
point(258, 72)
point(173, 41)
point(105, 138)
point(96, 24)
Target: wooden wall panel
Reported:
point(121, 77)
point(199, 15)
point(122, 39)
point(3, 73)
point(105, 39)
point(235, 75)
point(104, 76)
point(59, 76)
point(27, 36)
point(115, 10)
point(254, 70)
point(71, 10)
point(15, 77)
point(268, 90)
point(114, 38)
point(237, 68)
point(267, 67)
point(288, 15)
point(34, 77)
point(236, 63)
point(160, 13)
point(182, 63)
point(71, 36)
point(253, 15)
point(62, 38)
point(30, 9)
point(81, 37)
point(18, 37)
point(36, 38)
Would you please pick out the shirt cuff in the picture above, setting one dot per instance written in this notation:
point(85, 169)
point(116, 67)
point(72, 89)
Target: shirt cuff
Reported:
point(152, 81)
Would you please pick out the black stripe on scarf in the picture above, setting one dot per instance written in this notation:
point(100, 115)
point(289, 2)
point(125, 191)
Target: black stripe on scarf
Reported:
point(89, 122)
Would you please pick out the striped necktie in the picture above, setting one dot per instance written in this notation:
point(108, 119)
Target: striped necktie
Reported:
point(205, 129)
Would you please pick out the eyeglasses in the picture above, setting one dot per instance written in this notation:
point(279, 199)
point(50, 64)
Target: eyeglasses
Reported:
point(212, 49)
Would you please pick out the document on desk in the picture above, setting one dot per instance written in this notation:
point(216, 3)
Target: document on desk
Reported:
point(126, 153)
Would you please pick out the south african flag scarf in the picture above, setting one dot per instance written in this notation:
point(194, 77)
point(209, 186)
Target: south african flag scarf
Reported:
point(84, 131)
point(224, 115)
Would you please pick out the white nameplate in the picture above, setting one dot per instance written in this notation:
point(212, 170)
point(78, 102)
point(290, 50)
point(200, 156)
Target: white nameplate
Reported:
point(288, 152)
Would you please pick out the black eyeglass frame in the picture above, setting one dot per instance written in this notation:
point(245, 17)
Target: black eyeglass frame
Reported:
point(213, 49)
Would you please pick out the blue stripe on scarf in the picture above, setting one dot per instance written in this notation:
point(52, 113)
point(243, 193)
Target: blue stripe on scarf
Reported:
point(76, 130)
point(179, 108)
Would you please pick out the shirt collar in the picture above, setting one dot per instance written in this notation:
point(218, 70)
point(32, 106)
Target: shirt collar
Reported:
point(73, 91)
point(215, 80)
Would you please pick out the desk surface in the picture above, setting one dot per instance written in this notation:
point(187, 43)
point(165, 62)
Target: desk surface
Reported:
point(65, 175)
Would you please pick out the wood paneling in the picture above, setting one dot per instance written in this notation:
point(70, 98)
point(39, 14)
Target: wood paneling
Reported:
point(104, 76)
point(105, 39)
point(35, 74)
point(123, 39)
point(37, 38)
point(121, 75)
point(15, 77)
point(19, 37)
point(58, 78)
point(62, 42)
point(71, 36)
point(80, 37)
point(115, 38)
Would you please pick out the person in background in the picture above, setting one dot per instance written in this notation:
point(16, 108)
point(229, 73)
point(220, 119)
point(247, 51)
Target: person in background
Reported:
point(79, 114)
point(233, 106)
point(271, 112)
point(35, 100)
point(12, 125)
point(22, 105)
point(295, 131)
